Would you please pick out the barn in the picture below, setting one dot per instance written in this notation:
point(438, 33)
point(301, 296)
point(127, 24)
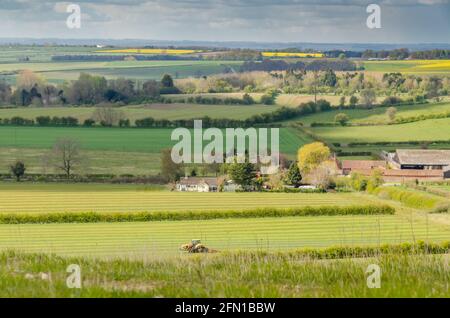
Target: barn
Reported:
point(420, 159)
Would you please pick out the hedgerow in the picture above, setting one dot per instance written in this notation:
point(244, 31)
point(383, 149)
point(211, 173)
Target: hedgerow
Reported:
point(410, 198)
point(340, 252)
point(96, 217)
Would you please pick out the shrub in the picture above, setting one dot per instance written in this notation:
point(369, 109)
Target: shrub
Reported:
point(342, 119)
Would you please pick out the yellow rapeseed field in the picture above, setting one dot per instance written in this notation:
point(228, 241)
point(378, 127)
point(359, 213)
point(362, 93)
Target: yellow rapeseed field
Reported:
point(434, 64)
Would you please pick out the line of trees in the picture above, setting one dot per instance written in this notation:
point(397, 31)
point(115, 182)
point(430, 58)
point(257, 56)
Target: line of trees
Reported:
point(402, 54)
point(88, 89)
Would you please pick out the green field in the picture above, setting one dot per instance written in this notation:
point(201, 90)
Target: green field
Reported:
point(157, 111)
point(11, 54)
point(376, 115)
point(106, 150)
point(29, 198)
point(116, 139)
point(427, 130)
point(95, 161)
point(153, 239)
point(57, 72)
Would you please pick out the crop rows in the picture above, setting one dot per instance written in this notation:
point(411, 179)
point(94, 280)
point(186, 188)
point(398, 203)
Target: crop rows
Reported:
point(153, 239)
point(17, 201)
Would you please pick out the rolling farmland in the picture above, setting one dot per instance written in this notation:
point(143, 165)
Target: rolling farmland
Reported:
point(136, 152)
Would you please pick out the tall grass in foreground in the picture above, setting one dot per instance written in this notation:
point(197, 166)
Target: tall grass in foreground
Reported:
point(228, 275)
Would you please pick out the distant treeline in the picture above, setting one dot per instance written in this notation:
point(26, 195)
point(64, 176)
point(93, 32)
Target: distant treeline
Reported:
point(108, 58)
point(315, 65)
point(281, 114)
point(401, 54)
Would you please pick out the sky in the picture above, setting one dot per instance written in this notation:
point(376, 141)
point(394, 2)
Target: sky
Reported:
point(317, 21)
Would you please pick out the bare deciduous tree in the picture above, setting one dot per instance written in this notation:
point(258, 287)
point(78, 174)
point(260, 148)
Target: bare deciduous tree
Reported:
point(107, 116)
point(66, 155)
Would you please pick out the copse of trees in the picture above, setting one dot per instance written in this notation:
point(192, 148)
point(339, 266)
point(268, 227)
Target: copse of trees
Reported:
point(86, 90)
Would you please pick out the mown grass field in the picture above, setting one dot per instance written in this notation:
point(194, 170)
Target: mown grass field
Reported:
point(427, 130)
point(157, 111)
point(231, 275)
point(153, 239)
point(36, 198)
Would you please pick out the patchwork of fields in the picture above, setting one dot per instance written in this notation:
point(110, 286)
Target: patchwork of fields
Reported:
point(137, 152)
point(57, 72)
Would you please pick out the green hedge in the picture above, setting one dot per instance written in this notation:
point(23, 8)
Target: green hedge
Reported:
point(410, 198)
point(95, 217)
point(340, 252)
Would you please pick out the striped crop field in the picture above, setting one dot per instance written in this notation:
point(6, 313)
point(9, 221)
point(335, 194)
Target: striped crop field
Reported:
point(160, 239)
point(103, 198)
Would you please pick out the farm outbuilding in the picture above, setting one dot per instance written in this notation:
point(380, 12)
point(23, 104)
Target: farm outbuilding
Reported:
point(420, 159)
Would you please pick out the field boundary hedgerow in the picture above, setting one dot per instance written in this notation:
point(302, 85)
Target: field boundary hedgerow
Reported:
point(96, 217)
point(341, 252)
point(410, 198)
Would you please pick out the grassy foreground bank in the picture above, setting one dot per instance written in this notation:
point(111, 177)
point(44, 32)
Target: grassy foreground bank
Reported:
point(226, 275)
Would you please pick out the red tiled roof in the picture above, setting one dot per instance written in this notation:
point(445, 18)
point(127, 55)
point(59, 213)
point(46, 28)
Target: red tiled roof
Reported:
point(362, 164)
point(405, 173)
